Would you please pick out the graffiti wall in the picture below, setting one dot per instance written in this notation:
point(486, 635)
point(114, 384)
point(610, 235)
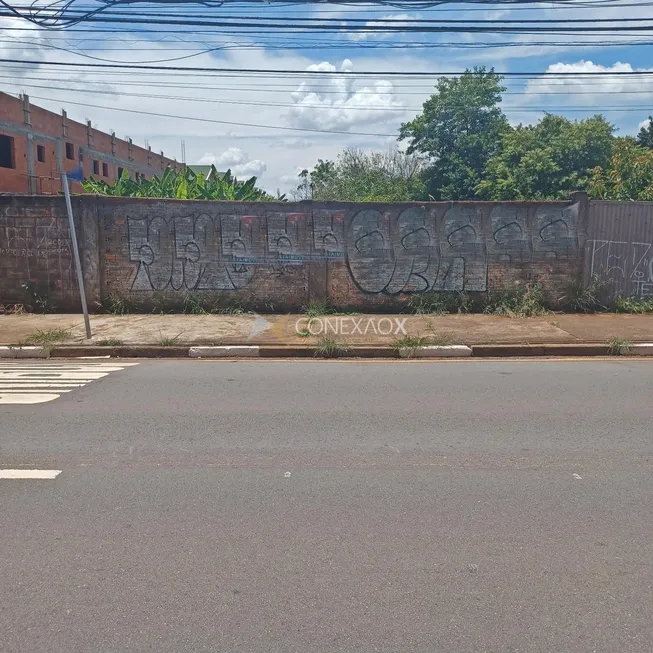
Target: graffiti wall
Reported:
point(619, 248)
point(352, 254)
point(280, 256)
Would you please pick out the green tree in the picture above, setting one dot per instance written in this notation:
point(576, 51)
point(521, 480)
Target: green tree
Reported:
point(645, 136)
point(359, 176)
point(627, 177)
point(547, 160)
point(459, 129)
point(184, 184)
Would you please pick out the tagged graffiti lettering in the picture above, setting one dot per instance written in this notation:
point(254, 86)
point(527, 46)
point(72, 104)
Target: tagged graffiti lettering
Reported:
point(627, 268)
point(399, 250)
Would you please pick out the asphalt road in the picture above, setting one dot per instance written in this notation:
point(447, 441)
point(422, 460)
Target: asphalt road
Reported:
point(306, 507)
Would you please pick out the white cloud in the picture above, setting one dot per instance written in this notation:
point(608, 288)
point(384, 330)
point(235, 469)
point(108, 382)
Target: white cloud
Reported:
point(644, 124)
point(292, 178)
point(591, 91)
point(230, 157)
point(254, 167)
point(333, 102)
point(237, 161)
point(21, 40)
point(376, 27)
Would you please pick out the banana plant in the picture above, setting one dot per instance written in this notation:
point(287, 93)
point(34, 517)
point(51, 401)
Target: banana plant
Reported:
point(182, 184)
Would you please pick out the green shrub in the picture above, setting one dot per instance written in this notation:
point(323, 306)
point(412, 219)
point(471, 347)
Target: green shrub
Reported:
point(441, 303)
point(523, 301)
point(183, 184)
point(315, 309)
point(618, 346)
point(327, 347)
point(630, 305)
point(118, 305)
point(586, 298)
point(49, 337)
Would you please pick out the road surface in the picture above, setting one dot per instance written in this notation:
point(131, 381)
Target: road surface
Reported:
point(322, 507)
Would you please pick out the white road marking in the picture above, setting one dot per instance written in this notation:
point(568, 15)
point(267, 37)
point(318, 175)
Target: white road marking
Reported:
point(36, 383)
point(46, 390)
point(58, 374)
point(47, 474)
point(31, 398)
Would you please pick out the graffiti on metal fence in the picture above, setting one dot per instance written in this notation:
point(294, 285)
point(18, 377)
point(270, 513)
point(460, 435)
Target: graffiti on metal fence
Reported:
point(624, 266)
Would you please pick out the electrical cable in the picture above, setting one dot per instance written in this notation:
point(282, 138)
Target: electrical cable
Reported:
point(308, 73)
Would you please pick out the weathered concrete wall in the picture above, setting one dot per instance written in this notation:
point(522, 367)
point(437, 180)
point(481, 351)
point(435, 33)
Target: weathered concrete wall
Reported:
point(280, 256)
point(619, 247)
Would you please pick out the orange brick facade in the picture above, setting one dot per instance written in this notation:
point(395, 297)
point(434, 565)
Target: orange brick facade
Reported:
point(37, 144)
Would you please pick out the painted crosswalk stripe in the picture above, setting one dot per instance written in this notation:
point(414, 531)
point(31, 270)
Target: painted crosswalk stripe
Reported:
point(39, 382)
point(15, 474)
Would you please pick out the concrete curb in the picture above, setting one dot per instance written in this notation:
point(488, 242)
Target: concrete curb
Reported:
point(290, 351)
point(304, 351)
point(133, 351)
point(566, 349)
point(225, 351)
point(580, 349)
point(23, 352)
point(503, 351)
point(642, 349)
point(436, 351)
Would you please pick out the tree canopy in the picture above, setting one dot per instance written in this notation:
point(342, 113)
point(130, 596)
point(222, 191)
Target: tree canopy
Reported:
point(359, 176)
point(459, 129)
point(548, 160)
point(628, 175)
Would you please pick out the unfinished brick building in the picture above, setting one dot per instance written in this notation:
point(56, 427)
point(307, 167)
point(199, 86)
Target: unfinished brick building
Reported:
point(37, 144)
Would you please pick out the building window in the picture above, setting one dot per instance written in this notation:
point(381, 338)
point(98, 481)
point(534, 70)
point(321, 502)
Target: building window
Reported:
point(105, 170)
point(120, 171)
point(40, 153)
point(96, 167)
point(70, 151)
point(6, 152)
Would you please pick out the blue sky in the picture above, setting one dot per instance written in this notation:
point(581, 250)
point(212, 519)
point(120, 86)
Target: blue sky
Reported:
point(341, 103)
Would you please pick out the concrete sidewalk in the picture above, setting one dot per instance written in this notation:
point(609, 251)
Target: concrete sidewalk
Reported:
point(282, 329)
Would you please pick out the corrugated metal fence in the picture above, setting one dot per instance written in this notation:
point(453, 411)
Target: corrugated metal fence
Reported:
point(619, 247)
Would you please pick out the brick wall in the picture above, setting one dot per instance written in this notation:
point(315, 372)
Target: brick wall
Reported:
point(35, 248)
point(280, 256)
point(30, 126)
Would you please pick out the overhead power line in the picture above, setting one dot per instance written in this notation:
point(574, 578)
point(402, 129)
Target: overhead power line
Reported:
point(218, 122)
point(51, 18)
point(320, 88)
point(393, 20)
point(286, 25)
point(396, 108)
point(321, 73)
point(63, 14)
